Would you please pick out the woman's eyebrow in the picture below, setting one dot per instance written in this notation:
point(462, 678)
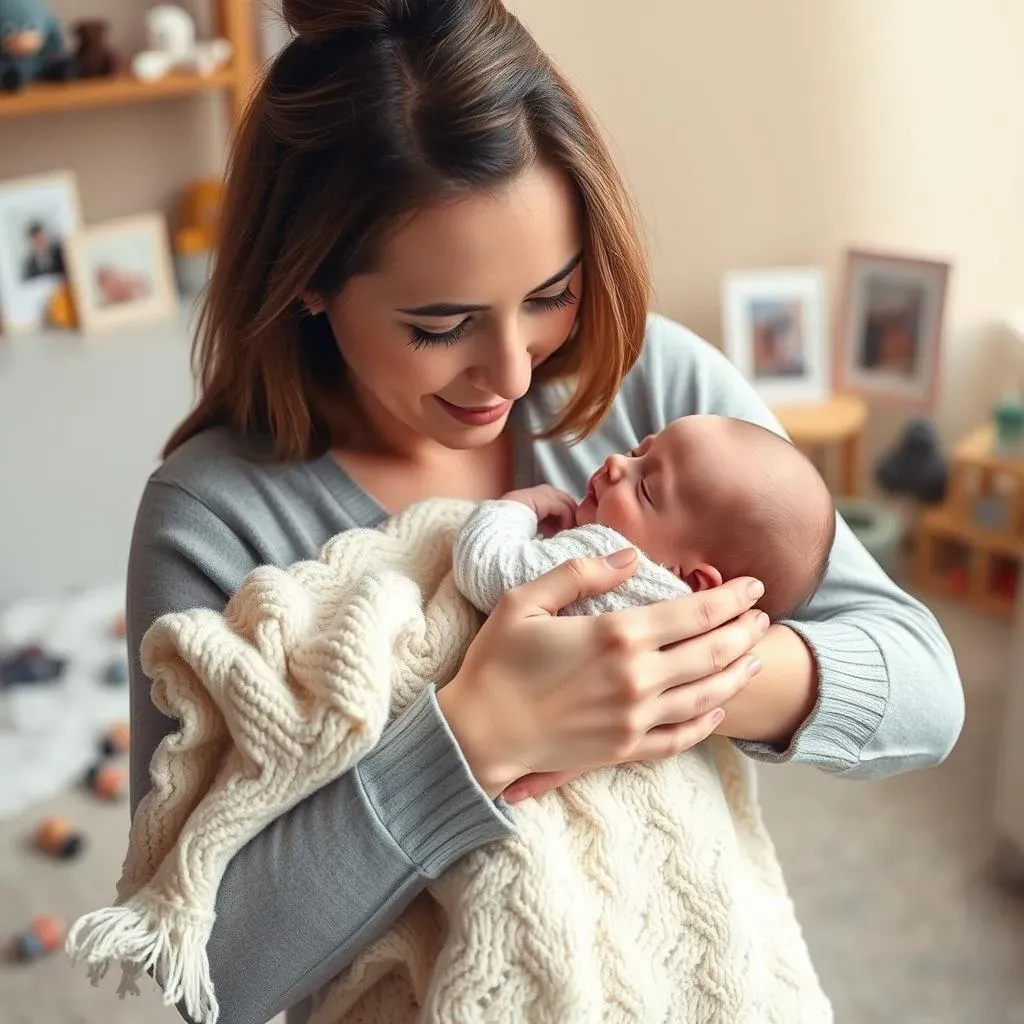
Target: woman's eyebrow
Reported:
point(564, 272)
point(457, 309)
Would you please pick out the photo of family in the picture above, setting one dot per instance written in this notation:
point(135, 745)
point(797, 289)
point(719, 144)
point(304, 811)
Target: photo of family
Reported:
point(36, 217)
point(891, 331)
point(778, 338)
point(121, 271)
point(892, 325)
point(44, 251)
point(774, 332)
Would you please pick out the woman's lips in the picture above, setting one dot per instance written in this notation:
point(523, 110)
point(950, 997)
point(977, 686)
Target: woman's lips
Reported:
point(477, 416)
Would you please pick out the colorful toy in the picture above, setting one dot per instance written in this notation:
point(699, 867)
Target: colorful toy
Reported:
point(30, 664)
point(957, 580)
point(116, 673)
point(95, 57)
point(60, 310)
point(107, 780)
point(172, 46)
point(31, 46)
point(116, 740)
point(1009, 419)
point(44, 935)
point(1005, 582)
point(56, 837)
point(195, 240)
point(119, 627)
point(992, 512)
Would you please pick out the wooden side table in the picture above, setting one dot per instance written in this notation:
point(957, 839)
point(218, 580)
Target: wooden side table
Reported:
point(838, 423)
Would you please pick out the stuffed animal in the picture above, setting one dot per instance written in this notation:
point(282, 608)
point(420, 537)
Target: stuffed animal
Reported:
point(915, 465)
point(95, 58)
point(172, 46)
point(32, 46)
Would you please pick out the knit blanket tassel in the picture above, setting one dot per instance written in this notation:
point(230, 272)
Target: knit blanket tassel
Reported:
point(144, 936)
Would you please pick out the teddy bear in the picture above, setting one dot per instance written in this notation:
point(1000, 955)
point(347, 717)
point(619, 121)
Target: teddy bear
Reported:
point(172, 46)
point(32, 46)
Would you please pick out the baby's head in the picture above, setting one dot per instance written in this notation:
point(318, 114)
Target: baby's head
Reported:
point(714, 498)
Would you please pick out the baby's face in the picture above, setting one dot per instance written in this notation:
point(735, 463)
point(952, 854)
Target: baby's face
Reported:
point(641, 496)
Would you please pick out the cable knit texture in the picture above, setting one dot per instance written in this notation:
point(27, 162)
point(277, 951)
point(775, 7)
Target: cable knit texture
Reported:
point(636, 894)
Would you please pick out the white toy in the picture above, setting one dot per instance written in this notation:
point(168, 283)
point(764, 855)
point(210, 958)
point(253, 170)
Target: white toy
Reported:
point(172, 46)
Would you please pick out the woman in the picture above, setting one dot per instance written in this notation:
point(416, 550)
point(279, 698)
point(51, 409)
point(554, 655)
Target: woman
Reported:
point(427, 257)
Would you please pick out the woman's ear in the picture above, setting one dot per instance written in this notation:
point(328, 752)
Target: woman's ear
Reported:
point(314, 303)
point(703, 577)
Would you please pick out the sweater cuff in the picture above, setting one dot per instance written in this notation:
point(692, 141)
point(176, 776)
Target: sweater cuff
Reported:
point(853, 691)
point(420, 785)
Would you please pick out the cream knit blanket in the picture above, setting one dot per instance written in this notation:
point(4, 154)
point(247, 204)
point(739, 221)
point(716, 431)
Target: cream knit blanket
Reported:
point(636, 894)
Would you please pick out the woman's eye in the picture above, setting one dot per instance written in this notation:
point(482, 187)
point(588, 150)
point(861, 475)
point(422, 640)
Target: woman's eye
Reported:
point(565, 298)
point(421, 338)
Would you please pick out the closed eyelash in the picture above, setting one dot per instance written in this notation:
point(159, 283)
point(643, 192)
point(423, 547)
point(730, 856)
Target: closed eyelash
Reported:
point(421, 338)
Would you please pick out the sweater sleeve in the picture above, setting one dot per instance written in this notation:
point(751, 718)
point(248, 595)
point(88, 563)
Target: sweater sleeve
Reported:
point(315, 887)
point(889, 693)
point(497, 549)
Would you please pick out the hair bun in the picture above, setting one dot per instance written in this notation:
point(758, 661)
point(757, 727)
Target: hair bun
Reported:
point(316, 19)
point(319, 19)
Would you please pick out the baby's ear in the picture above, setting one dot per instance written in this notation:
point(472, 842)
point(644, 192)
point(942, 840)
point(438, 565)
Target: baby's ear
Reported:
point(703, 577)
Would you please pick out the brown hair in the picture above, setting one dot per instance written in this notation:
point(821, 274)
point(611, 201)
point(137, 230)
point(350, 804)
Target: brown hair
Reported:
point(376, 108)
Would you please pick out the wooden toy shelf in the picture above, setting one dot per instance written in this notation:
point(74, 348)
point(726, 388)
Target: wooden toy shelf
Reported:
point(972, 547)
point(232, 20)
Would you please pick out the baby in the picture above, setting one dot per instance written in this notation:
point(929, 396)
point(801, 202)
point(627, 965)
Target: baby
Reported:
point(705, 500)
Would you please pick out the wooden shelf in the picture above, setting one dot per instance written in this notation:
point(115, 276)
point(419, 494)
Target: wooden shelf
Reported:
point(941, 522)
point(49, 97)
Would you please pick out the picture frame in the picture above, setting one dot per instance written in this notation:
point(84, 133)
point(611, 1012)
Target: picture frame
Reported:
point(122, 272)
point(37, 215)
point(775, 332)
point(889, 332)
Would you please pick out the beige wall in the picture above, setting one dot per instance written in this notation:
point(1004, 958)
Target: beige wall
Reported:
point(753, 134)
point(761, 134)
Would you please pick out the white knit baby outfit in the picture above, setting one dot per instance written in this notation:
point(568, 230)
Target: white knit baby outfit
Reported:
point(646, 893)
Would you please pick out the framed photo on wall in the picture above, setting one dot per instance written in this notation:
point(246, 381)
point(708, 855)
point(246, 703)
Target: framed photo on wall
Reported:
point(122, 273)
point(37, 215)
point(889, 337)
point(775, 332)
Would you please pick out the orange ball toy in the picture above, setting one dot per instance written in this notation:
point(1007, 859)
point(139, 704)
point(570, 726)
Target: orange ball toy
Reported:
point(56, 837)
point(107, 781)
point(116, 740)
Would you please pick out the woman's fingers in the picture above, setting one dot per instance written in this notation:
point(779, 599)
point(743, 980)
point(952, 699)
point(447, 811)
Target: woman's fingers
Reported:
point(673, 740)
point(671, 622)
point(712, 653)
point(537, 784)
point(691, 701)
point(568, 582)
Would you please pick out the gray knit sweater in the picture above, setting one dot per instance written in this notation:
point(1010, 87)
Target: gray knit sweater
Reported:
point(313, 888)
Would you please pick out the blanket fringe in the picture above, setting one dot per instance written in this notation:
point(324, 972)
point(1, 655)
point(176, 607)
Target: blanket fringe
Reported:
point(168, 941)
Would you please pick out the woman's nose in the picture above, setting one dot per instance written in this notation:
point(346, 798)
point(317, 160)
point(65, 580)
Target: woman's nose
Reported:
point(507, 367)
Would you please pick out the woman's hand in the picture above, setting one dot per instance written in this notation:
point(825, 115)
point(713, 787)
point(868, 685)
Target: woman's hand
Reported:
point(542, 693)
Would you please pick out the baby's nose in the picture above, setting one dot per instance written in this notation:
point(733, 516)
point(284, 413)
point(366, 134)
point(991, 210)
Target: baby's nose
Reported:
point(614, 467)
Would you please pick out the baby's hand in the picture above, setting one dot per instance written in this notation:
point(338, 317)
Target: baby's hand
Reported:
point(555, 510)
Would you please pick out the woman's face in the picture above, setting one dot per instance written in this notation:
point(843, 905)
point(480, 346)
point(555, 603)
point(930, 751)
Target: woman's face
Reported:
point(468, 297)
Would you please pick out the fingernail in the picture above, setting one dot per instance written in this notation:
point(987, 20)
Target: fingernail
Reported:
point(762, 621)
point(622, 558)
point(753, 666)
point(755, 588)
point(717, 717)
